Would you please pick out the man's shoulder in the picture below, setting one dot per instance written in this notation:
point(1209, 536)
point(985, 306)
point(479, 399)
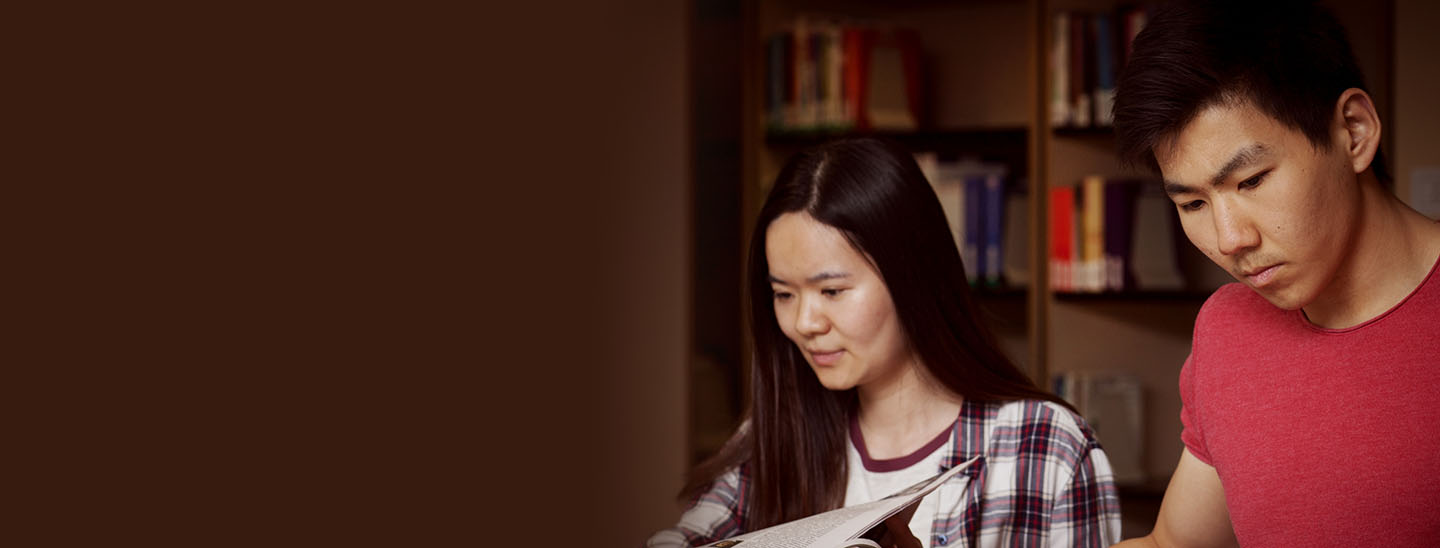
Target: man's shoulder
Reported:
point(1232, 301)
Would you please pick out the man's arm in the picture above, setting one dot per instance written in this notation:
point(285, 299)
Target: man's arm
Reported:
point(1193, 514)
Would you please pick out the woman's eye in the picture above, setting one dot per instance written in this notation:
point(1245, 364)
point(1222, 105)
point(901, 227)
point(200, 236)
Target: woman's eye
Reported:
point(831, 292)
point(782, 296)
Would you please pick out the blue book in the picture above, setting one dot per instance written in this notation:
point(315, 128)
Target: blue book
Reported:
point(972, 253)
point(1105, 69)
point(994, 221)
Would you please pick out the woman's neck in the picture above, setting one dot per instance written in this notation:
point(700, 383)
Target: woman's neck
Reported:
point(901, 416)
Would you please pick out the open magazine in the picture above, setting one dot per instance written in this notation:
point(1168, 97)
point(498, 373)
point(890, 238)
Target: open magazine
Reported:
point(859, 526)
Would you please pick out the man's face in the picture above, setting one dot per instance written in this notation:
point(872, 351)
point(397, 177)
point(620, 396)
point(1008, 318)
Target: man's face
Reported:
point(1262, 202)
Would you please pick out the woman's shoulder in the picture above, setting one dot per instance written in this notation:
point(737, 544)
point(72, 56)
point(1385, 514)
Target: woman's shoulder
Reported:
point(1043, 426)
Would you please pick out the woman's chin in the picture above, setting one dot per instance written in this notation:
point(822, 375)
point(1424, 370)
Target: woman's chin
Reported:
point(834, 383)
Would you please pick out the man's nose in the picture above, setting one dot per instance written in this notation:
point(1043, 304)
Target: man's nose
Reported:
point(1234, 231)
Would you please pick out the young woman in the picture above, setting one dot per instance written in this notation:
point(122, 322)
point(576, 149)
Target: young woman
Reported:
point(872, 372)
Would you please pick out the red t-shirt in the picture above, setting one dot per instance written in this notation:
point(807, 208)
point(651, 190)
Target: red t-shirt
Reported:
point(1321, 437)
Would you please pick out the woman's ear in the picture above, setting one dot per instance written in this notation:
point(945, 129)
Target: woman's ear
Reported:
point(1359, 129)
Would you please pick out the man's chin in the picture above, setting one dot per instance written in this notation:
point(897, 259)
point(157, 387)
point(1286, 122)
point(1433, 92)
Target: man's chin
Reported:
point(1283, 300)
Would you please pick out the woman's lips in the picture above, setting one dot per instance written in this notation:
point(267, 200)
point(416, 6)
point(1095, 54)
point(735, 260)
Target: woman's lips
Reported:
point(826, 358)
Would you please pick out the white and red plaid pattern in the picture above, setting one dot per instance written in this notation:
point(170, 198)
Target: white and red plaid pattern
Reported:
point(1042, 480)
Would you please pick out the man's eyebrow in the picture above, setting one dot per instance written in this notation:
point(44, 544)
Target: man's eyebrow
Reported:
point(1244, 157)
point(827, 275)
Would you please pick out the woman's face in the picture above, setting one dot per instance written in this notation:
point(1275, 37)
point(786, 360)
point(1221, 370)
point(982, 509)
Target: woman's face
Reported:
point(831, 302)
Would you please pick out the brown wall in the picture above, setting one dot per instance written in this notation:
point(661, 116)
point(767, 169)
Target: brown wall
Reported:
point(1416, 125)
point(590, 239)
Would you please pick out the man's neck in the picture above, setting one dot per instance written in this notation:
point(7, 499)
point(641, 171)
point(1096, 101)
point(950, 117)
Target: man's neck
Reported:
point(1394, 249)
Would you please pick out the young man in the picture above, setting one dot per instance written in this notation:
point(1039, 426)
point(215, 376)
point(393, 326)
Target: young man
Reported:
point(1310, 408)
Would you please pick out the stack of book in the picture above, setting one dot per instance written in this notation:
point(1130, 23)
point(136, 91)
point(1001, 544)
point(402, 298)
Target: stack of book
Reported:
point(988, 223)
point(1112, 235)
point(826, 75)
point(1114, 405)
point(1087, 52)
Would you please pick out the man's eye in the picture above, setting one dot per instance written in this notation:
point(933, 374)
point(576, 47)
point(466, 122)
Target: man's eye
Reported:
point(831, 292)
point(1253, 181)
point(1192, 205)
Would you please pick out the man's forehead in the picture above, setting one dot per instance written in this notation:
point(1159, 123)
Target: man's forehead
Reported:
point(1215, 136)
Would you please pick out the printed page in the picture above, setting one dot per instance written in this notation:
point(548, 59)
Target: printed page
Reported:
point(839, 528)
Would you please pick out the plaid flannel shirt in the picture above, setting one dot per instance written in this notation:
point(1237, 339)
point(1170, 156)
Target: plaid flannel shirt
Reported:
point(1041, 480)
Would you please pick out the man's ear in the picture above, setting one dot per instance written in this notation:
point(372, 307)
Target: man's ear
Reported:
point(1359, 130)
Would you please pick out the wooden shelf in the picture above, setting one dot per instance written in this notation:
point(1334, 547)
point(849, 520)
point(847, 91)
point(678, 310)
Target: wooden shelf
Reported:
point(1012, 135)
point(1004, 145)
point(999, 293)
point(1092, 131)
point(1178, 295)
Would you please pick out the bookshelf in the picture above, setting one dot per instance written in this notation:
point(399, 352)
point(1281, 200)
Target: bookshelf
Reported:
point(987, 95)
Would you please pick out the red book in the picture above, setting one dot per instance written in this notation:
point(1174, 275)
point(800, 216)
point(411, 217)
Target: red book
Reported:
point(1062, 243)
point(855, 59)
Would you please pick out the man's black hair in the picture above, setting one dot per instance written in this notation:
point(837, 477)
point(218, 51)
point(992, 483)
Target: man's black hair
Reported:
point(1289, 58)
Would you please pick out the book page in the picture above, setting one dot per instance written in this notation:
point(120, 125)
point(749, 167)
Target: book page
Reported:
point(839, 528)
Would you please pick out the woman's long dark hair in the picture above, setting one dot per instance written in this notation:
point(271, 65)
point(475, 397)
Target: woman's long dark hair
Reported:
point(793, 442)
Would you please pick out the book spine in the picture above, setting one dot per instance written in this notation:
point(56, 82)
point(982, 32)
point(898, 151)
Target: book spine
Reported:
point(1060, 71)
point(1105, 61)
point(910, 61)
point(794, 67)
point(1079, 88)
point(1119, 228)
point(854, 75)
point(1062, 210)
point(972, 254)
point(994, 227)
point(777, 79)
point(1093, 242)
point(834, 77)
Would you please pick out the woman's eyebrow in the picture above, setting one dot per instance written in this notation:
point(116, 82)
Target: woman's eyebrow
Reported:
point(826, 275)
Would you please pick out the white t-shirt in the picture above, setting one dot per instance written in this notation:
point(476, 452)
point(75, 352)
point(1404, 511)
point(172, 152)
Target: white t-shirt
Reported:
point(874, 479)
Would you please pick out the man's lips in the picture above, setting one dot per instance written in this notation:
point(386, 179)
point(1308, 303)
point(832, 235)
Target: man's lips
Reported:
point(1259, 277)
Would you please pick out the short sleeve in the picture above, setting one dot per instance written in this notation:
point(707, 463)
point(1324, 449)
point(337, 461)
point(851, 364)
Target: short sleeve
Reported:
point(1193, 433)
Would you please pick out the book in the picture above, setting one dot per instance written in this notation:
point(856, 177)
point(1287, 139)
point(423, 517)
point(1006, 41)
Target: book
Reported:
point(993, 221)
point(1155, 264)
point(972, 253)
point(1080, 68)
point(862, 525)
point(831, 76)
point(854, 57)
point(777, 74)
point(1091, 270)
point(976, 202)
point(1105, 69)
point(950, 191)
point(1060, 71)
point(1113, 403)
point(1119, 233)
point(1062, 256)
point(1086, 55)
point(892, 83)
